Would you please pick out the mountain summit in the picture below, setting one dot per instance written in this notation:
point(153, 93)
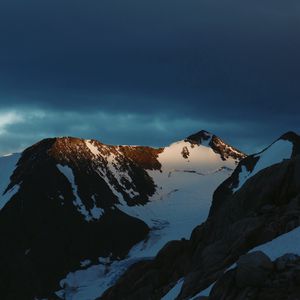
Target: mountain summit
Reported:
point(206, 138)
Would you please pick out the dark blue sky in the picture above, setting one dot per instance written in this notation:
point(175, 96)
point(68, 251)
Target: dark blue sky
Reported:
point(148, 71)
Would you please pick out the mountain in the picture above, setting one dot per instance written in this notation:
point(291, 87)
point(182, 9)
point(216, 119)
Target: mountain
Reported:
point(75, 214)
point(256, 209)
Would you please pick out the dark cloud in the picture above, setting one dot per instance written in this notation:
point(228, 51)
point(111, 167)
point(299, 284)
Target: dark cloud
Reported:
point(147, 72)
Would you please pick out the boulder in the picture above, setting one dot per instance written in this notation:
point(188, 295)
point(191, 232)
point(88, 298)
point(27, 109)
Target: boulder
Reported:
point(253, 269)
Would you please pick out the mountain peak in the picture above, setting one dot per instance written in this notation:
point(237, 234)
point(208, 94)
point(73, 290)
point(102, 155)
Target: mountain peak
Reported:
point(208, 139)
point(201, 137)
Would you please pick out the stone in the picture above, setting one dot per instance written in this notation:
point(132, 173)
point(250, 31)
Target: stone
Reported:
point(253, 269)
point(281, 262)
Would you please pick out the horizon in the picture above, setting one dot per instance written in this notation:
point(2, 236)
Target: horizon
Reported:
point(257, 150)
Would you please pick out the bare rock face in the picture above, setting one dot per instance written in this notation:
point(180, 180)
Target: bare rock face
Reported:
point(277, 284)
point(253, 269)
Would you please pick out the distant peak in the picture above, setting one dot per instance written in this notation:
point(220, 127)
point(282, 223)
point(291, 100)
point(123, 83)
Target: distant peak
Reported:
point(208, 139)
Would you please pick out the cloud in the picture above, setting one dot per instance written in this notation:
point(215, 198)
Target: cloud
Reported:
point(149, 72)
point(8, 118)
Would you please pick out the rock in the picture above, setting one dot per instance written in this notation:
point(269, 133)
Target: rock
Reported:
point(267, 208)
point(253, 269)
point(281, 262)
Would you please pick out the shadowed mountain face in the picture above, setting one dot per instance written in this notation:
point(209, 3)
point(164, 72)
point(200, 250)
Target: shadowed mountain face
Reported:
point(258, 203)
point(69, 200)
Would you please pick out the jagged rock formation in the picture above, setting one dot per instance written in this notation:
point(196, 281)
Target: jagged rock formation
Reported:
point(259, 202)
point(70, 202)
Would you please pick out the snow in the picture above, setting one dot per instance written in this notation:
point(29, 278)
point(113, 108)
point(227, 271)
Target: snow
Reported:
point(92, 282)
point(181, 202)
point(92, 147)
point(89, 215)
point(276, 153)
point(183, 198)
point(286, 243)
point(205, 292)
point(7, 167)
point(85, 263)
point(96, 212)
point(174, 292)
point(119, 174)
point(68, 172)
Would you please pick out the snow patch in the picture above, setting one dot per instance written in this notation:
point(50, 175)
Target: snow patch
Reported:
point(89, 215)
point(68, 172)
point(85, 263)
point(174, 292)
point(91, 283)
point(95, 151)
point(204, 293)
point(286, 243)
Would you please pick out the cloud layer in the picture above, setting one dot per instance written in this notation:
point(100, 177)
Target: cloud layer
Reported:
point(148, 72)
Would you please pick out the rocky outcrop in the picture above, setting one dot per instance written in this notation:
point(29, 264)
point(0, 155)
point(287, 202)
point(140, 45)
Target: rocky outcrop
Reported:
point(253, 269)
point(280, 280)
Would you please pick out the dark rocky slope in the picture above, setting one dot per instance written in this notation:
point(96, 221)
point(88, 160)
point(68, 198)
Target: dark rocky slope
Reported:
point(266, 206)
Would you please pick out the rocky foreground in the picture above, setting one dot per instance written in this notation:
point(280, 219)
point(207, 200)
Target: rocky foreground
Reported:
point(256, 277)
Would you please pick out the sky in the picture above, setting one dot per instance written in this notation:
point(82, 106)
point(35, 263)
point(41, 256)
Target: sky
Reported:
point(149, 72)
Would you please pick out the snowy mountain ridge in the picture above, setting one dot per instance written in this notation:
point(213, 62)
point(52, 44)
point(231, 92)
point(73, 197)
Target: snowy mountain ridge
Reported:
point(136, 198)
point(93, 221)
